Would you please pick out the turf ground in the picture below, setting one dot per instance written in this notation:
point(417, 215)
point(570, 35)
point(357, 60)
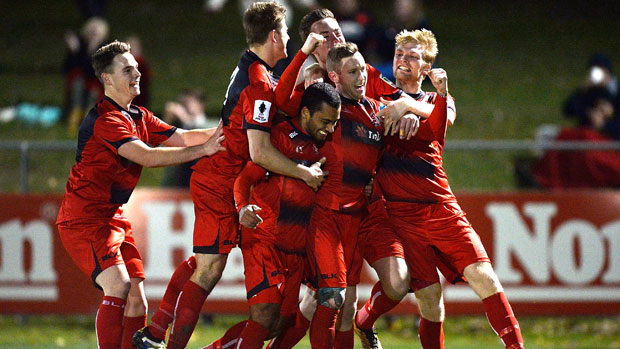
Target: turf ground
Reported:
point(460, 332)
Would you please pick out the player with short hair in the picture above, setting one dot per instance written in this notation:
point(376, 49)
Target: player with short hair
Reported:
point(434, 230)
point(112, 149)
point(273, 243)
point(341, 201)
point(247, 115)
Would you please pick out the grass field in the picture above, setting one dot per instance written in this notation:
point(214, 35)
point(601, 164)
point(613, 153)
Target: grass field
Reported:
point(460, 332)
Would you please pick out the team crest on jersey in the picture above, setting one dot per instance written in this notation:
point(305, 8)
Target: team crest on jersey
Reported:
point(261, 111)
point(299, 149)
point(293, 134)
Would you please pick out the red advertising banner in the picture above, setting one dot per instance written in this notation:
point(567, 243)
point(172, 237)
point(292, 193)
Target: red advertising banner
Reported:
point(555, 254)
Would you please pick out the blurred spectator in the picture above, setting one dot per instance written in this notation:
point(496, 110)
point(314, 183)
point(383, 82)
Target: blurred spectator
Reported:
point(583, 169)
point(145, 80)
point(82, 88)
point(187, 113)
point(600, 73)
point(406, 14)
point(355, 23)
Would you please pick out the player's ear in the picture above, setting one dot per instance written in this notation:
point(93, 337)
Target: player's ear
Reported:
point(105, 77)
point(333, 76)
point(305, 115)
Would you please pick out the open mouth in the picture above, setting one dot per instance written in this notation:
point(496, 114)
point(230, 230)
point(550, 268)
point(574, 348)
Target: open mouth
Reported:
point(403, 68)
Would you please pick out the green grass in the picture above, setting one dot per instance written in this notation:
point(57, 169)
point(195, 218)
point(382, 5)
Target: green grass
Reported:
point(52, 331)
point(510, 65)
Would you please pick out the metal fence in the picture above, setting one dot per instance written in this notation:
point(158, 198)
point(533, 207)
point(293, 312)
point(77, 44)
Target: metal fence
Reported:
point(26, 146)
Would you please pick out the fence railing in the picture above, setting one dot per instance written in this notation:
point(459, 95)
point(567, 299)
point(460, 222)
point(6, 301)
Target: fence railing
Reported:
point(25, 146)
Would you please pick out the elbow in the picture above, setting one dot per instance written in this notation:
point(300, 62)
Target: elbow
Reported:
point(257, 155)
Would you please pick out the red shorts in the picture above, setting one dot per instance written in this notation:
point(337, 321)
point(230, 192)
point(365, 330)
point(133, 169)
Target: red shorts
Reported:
point(332, 248)
point(436, 236)
point(376, 238)
point(272, 276)
point(216, 228)
point(97, 245)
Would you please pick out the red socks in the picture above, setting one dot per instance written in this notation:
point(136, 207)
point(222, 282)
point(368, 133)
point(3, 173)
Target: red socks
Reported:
point(229, 339)
point(186, 314)
point(109, 323)
point(165, 313)
point(253, 336)
point(130, 326)
point(344, 339)
point(323, 327)
point(431, 334)
point(291, 335)
point(503, 320)
point(377, 305)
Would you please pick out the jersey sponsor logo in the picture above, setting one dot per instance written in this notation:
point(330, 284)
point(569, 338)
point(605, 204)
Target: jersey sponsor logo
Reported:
point(365, 135)
point(293, 134)
point(261, 111)
point(109, 256)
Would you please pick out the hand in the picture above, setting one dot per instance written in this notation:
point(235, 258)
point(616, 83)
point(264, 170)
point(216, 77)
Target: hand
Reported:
point(248, 216)
point(439, 78)
point(315, 175)
point(409, 126)
point(313, 41)
point(214, 143)
point(368, 187)
point(391, 114)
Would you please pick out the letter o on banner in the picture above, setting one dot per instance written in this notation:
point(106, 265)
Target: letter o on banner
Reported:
point(572, 237)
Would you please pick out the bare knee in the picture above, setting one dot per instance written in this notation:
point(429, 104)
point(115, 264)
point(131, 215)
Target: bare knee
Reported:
point(209, 269)
point(136, 301)
point(482, 279)
point(430, 303)
point(394, 277)
point(266, 314)
point(308, 304)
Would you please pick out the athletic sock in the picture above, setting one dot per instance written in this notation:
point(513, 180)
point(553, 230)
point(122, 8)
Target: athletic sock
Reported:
point(229, 339)
point(377, 305)
point(344, 339)
point(253, 336)
point(165, 313)
point(323, 327)
point(290, 336)
point(186, 314)
point(130, 326)
point(431, 334)
point(503, 320)
point(109, 323)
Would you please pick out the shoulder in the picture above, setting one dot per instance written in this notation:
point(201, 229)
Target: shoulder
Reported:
point(259, 75)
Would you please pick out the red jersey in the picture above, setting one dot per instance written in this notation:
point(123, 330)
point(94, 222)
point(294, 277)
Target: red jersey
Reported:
point(351, 158)
point(101, 180)
point(286, 202)
point(412, 170)
point(248, 105)
point(288, 96)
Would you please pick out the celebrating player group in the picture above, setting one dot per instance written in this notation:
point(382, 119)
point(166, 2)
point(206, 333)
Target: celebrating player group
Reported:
point(310, 173)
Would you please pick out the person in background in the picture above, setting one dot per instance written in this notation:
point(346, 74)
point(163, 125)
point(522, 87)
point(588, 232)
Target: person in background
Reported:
point(560, 169)
point(82, 87)
point(600, 73)
point(188, 112)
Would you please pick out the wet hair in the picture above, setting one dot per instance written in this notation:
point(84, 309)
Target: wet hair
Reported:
point(337, 53)
point(260, 19)
point(424, 38)
point(310, 18)
point(317, 94)
point(102, 59)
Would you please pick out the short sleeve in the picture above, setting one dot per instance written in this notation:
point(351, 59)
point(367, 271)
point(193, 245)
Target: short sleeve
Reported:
point(258, 107)
point(114, 130)
point(158, 130)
